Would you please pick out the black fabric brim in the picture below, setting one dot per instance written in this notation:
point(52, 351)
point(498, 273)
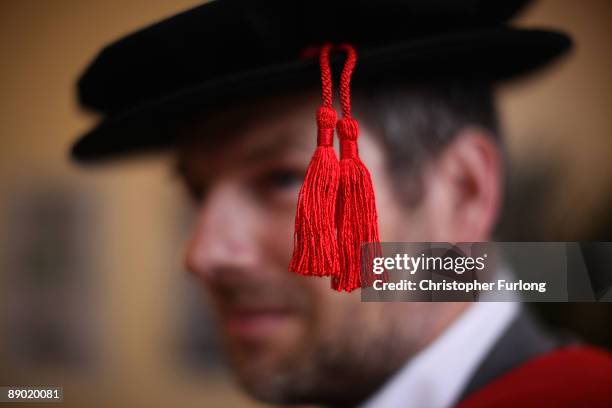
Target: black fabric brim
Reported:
point(494, 54)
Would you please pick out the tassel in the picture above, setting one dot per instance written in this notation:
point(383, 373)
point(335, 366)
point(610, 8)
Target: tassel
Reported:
point(315, 244)
point(357, 218)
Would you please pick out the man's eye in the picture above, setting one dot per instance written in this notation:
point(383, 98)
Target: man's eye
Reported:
point(280, 181)
point(196, 193)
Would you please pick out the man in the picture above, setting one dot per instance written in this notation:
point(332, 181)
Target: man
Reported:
point(233, 86)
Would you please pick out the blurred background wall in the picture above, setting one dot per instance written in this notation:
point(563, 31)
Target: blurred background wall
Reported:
point(93, 296)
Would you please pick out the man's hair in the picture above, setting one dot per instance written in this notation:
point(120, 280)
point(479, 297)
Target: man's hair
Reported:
point(416, 121)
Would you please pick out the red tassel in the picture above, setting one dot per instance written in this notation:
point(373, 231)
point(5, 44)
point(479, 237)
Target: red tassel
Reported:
point(315, 244)
point(357, 218)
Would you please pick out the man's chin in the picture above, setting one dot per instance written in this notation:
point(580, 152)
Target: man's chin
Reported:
point(280, 384)
point(262, 374)
point(291, 370)
point(269, 366)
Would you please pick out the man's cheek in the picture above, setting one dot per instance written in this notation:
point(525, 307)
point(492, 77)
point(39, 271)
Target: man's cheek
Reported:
point(338, 313)
point(277, 233)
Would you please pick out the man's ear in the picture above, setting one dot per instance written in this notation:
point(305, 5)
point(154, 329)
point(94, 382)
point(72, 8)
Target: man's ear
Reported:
point(463, 188)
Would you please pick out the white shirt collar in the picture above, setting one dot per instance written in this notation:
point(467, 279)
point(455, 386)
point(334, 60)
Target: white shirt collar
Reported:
point(435, 377)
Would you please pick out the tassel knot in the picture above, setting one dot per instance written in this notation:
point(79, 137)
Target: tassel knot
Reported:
point(348, 129)
point(326, 121)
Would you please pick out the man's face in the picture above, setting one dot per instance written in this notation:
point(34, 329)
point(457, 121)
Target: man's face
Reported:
point(290, 338)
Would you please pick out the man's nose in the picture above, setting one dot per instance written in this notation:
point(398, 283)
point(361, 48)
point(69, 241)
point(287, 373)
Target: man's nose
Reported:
point(223, 237)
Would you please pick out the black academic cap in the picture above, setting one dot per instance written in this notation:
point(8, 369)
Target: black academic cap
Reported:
point(230, 49)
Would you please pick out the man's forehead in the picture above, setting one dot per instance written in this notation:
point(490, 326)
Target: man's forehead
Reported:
point(252, 131)
point(227, 120)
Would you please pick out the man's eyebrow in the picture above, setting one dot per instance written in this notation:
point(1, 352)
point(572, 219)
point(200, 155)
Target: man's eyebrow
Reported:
point(276, 147)
point(178, 169)
point(257, 154)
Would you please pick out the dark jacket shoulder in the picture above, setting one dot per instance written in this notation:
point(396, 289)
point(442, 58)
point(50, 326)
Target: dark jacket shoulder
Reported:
point(571, 376)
